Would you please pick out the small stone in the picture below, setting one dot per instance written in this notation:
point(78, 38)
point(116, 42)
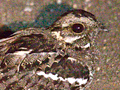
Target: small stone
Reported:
point(74, 5)
point(87, 0)
point(28, 9)
point(32, 3)
point(98, 69)
point(98, 79)
point(104, 48)
point(59, 1)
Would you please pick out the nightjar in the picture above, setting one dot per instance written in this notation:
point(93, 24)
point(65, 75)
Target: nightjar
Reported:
point(55, 58)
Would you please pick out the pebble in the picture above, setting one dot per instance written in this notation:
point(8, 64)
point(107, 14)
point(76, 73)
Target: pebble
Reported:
point(98, 69)
point(74, 5)
point(28, 9)
point(59, 1)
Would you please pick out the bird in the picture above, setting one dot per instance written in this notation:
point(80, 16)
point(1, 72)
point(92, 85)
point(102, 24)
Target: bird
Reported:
point(58, 57)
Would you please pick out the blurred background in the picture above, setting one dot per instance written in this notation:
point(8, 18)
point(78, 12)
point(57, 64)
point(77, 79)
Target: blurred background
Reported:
point(20, 14)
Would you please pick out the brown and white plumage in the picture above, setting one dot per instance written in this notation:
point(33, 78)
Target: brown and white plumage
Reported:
point(30, 58)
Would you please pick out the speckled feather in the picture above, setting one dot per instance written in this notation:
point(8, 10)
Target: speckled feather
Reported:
point(29, 58)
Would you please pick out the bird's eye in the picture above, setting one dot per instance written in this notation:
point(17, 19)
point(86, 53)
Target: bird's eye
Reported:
point(77, 28)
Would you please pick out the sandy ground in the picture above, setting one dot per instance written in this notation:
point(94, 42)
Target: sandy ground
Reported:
point(18, 14)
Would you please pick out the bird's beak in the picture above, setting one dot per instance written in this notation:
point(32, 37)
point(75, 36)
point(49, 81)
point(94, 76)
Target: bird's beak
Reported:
point(103, 29)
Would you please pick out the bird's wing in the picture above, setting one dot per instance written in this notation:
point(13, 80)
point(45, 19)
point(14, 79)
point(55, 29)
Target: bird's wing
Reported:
point(27, 39)
point(23, 42)
point(17, 53)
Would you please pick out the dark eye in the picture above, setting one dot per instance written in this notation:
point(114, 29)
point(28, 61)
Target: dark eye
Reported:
point(77, 28)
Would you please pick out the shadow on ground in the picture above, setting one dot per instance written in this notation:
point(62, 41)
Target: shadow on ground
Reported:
point(45, 18)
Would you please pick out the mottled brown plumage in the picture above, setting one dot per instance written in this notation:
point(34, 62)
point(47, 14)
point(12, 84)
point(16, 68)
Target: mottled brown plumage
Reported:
point(30, 58)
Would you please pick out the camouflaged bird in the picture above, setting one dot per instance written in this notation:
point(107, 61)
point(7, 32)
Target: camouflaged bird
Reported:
point(55, 58)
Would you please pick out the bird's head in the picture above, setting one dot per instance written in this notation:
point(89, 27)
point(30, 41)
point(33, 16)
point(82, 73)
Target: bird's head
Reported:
point(77, 28)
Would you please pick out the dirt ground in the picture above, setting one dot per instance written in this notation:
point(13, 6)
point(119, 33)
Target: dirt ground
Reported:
point(18, 14)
